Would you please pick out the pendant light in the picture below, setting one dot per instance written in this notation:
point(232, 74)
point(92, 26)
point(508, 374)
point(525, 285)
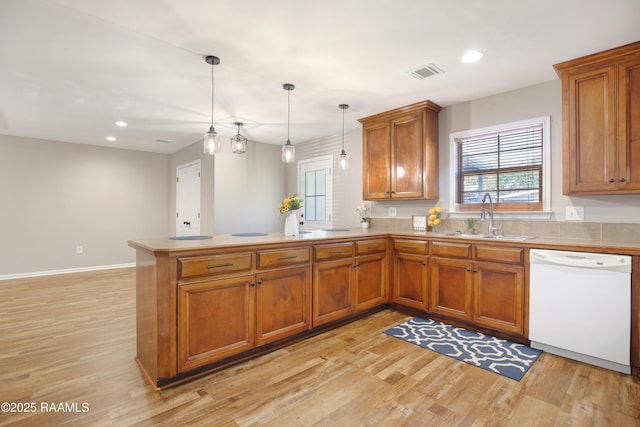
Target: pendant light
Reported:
point(344, 159)
point(239, 142)
point(211, 142)
point(288, 150)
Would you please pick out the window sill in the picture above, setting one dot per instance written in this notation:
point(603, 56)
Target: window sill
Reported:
point(532, 215)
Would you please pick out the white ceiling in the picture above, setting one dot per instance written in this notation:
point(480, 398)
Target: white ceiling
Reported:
point(70, 68)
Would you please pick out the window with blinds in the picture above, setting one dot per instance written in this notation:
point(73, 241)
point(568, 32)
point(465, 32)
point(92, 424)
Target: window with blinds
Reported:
point(506, 164)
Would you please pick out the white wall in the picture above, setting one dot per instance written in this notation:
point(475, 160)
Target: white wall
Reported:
point(248, 189)
point(56, 196)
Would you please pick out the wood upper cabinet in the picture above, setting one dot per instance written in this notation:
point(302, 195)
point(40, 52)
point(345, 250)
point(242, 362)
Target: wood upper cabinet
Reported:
point(400, 153)
point(601, 132)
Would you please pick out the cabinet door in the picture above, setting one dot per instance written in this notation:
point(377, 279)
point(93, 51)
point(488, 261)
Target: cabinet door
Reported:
point(407, 156)
point(629, 128)
point(410, 280)
point(371, 281)
point(498, 297)
point(215, 320)
point(332, 290)
point(283, 303)
point(376, 157)
point(591, 133)
point(451, 287)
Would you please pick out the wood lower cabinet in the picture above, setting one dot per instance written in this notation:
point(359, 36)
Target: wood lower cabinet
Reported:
point(216, 319)
point(283, 303)
point(410, 273)
point(333, 289)
point(451, 287)
point(231, 313)
point(483, 285)
point(348, 278)
point(372, 273)
point(498, 291)
point(371, 281)
point(601, 134)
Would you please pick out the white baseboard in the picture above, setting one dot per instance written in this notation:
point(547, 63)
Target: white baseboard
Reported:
point(64, 271)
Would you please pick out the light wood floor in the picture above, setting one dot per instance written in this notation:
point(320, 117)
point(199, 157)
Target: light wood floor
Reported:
point(70, 339)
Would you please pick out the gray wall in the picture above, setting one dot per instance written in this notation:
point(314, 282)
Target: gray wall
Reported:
point(57, 195)
point(535, 101)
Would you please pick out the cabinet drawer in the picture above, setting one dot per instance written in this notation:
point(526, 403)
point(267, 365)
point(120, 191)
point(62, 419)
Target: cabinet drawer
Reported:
point(280, 257)
point(451, 250)
point(333, 251)
point(371, 246)
point(501, 254)
point(411, 246)
point(214, 264)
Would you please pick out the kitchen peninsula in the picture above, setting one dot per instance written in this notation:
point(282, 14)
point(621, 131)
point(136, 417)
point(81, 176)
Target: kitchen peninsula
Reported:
point(202, 305)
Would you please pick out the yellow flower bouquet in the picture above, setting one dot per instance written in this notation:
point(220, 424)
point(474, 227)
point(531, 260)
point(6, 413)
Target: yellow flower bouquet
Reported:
point(291, 203)
point(434, 216)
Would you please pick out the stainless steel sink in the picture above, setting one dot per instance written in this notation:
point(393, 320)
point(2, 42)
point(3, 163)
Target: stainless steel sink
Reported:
point(510, 237)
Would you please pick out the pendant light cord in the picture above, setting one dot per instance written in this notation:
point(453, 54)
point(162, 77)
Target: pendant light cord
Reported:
point(288, 112)
point(343, 130)
point(212, 92)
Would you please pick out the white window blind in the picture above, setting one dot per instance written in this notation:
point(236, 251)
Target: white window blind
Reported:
point(506, 164)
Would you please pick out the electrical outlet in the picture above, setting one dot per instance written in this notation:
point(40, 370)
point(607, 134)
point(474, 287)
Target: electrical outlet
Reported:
point(574, 213)
point(79, 249)
point(392, 212)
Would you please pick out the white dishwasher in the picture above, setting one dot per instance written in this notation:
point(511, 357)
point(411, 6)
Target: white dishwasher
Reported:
point(580, 306)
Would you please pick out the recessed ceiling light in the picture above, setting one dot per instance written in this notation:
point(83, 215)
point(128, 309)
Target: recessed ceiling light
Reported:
point(110, 138)
point(472, 56)
point(121, 123)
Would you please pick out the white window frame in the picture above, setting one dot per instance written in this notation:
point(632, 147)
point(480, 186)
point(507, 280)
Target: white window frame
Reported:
point(322, 162)
point(546, 212)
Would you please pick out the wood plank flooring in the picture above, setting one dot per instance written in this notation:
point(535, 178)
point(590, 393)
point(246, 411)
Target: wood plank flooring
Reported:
point(70, 339)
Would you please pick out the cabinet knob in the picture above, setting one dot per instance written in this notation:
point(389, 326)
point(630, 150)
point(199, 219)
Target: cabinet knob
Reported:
point(622, 180)
point(475, 271)
point(612, 180)
point(260, 282)
point(253, 284)
point(468, 269)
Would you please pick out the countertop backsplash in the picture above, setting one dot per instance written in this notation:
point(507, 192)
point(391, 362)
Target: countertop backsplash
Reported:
point(614, 232)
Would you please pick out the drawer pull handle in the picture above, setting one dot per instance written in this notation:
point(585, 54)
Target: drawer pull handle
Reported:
point(408, 247)
point(374, 247)
point(282, 258)
point(336, 251)
point(220, 265)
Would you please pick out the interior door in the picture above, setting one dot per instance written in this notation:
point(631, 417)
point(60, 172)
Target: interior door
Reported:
point(188, 199)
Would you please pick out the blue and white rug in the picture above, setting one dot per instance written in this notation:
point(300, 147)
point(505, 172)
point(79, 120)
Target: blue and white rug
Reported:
point(503, 357)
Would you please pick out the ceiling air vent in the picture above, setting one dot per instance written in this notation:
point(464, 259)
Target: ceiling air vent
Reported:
point(426, 71)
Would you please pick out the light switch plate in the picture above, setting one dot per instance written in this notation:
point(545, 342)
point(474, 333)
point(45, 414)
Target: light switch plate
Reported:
point(574, 213)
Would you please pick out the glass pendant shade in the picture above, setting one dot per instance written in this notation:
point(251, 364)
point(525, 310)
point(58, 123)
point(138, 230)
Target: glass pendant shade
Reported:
point(239, 142)
point(211, 142)
point(344, 160)
point(288, 153)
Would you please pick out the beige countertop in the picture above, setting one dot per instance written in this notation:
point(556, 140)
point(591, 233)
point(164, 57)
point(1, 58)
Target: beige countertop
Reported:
point(167, 245)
